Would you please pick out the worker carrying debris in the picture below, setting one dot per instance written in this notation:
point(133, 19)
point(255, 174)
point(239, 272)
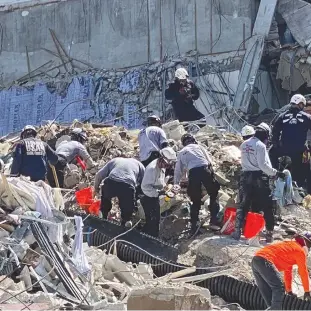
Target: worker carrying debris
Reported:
point(247, 132)
point(67, 151)
point(197, 161)
point(121, 177)
point(182, 93)
point(269, 261)
point(254, 189)
point(289, 136)
point(151, 140)
point(31, 156)
point(152, 186)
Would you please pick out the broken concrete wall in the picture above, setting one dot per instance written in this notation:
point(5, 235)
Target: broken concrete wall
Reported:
point(115, 33)
point(295, 14)
point(121, 98)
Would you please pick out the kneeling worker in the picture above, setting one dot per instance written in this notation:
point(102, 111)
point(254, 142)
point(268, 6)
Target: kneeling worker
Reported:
point(152, 185)
point(31, 156)
point(254, 181)
point(269, 261)
point(151, 140)
point(67, 151)
point(196, 160)
point(121, 177)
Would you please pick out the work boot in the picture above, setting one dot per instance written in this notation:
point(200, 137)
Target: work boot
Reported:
point(269, 237)
point(195, 227)
point(213, 227)
point(236, 235)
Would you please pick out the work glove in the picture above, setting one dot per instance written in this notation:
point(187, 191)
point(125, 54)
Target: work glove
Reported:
point(307, 296)
point(291, 294)
point(280, 175)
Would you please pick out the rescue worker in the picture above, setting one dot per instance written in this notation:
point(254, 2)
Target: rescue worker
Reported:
point(254, 189)
point(31, 156)
point(152, 186)
point(289, 136)
point(247, 132)
point(183, 92)
point(151, 140)
point(121, 177)
point(67, 151)
point(198, 163)
point(269, 261)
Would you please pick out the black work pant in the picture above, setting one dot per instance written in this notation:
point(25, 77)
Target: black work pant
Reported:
point(154, 155)
point(255, 195)
point(151, 208)
point(125, 194)
point(59, 168)
point(199, 176)
point(269, 282)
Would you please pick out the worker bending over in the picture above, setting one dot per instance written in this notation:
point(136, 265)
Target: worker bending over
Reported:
point(289, 136)
point(247, 132)
point(152, 186)
point(67, 151)
point(151, 140)
point(31, 156)
point(195, 159)
point(269, 261)
point(254, 181)
point(121, 177)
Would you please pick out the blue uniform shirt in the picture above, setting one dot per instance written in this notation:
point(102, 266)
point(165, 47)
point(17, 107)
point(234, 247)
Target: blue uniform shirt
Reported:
point(30, 158)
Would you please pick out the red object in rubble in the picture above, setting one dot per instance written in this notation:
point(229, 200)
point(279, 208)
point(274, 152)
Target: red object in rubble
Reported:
point(81, 163)
point(85, 200)
point(84, 196)
point(229, 220)
point(253, 225)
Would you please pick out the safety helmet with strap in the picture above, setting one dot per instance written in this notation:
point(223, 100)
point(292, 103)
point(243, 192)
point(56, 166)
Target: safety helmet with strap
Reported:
point(28, 131)
point(181, 74)
point(265, 127)
point(168, 154)
point(188, 139)
point(79, 135)
point(247, 130)
point(297, 99)
point(153, 120)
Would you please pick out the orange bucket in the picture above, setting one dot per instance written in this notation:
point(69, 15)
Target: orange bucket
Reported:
point(229, 220)
point(84, 197)
point(94, 208)
point(253, 225)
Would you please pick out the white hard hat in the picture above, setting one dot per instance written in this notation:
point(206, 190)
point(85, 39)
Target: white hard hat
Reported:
point(28, 129)
point(297, 99)
point(247, 130)
point(264, 126)
point(181, 74)
point(168, 154)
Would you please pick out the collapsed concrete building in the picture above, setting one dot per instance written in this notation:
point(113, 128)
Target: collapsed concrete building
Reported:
point(110, 61)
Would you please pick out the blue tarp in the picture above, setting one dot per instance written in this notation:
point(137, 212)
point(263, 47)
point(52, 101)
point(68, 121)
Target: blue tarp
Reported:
point(20, 106)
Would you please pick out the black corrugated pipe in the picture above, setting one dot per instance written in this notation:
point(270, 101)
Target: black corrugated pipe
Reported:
point(228, 288)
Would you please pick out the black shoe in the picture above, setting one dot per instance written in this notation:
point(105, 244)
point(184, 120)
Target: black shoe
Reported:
point(195, 227)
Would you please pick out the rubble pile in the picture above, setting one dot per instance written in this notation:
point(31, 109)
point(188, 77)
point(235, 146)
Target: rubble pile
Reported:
point(44, 259)
point(45, 264)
